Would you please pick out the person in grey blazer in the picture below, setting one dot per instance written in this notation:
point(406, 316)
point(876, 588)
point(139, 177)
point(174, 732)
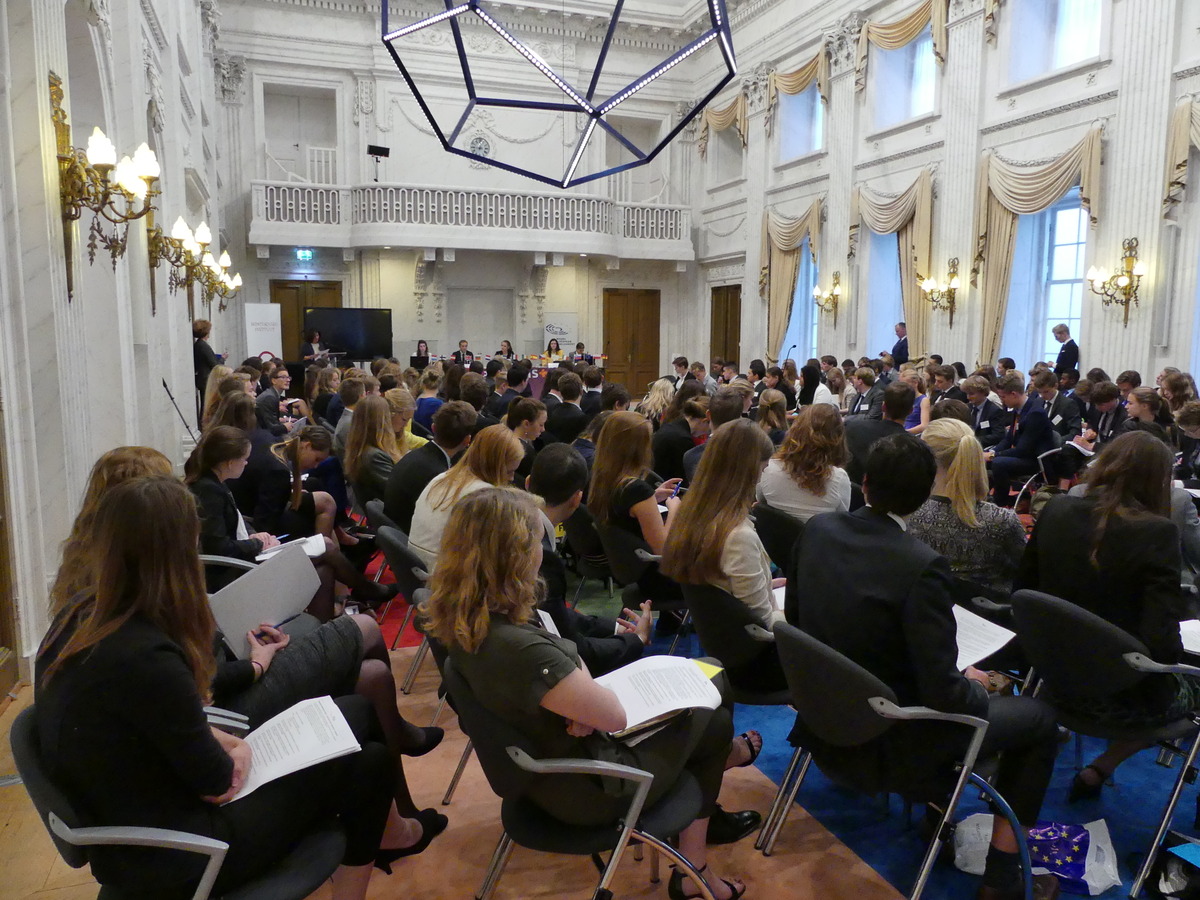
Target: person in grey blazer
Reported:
point(869, 401)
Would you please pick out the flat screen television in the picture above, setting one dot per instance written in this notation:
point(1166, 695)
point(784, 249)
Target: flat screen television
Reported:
point(359, 333)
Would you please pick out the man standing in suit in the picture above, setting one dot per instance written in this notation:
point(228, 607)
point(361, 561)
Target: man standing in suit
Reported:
point(1062, 410)
point(567, 420)
point(862, 432)
point(1027, 437)
point(869, 402)
point(1068, 354)
point(593, 384)
point(453, 426)
point(462, 355)
point(862, 585)
point(900, 348)
point(517, 379)
point(987, 419)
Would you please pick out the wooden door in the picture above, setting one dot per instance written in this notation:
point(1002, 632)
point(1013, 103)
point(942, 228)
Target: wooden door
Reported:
point(726, 332)
point(8, 600)
point(631, 338)
point(293, 297)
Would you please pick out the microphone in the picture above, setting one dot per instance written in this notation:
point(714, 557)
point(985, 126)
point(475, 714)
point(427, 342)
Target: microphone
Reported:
point(787, 354)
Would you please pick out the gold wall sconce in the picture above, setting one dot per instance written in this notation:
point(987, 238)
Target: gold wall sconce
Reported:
point(1121, 286)
point(192, 264)
point(941, 294)
point(827, 301)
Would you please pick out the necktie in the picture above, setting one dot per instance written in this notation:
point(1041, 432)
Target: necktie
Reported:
point(1103, 423)
point(1012, 429)
point(978, 415)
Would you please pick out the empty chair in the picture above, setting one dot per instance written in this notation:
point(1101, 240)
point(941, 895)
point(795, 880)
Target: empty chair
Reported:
point(584, 540)
point(728, 631)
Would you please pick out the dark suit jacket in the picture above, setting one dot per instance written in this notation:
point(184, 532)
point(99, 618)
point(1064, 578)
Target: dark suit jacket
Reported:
point(267, 411)
point(1034, 435)
point(482, 421)
point(1112, 427)
point(861, 434)
point(1136, 583)
point(590, 403)
point(1068, 358)
point(869, 404)
point(670, 443)
point(203, 361)
point(462, 358)
point(259, 481)
point(900, 352)
point(1064, 416)
point(955, 393)
point(497, 404)
point(409, 477)
point(566, 422)
point(989, 423)
point(551, 402)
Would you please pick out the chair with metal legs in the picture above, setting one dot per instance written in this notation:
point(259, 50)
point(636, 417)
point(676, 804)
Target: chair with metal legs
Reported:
point(409, 571)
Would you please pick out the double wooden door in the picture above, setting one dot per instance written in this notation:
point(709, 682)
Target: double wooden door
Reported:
point(631, 321)
point(293, 297)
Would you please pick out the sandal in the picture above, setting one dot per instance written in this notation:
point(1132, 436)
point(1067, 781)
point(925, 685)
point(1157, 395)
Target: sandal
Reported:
point(748, 736)
point(675, 887)
point(1085, 790)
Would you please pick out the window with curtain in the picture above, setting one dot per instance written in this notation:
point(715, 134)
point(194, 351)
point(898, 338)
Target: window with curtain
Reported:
point(904, 81)
point(801, 123)
point(806, 318)
point(1047, 281)
point(1052, 34)
point(724, 156)
point(882, 292)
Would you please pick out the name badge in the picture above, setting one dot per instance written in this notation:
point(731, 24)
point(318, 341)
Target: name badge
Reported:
point(1057, 420)
point(983, 425)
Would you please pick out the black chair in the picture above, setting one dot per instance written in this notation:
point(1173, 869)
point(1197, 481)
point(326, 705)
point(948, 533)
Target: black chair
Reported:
point(409, 572)
point(309, 864)
point(629, 558)
point(778, 532)
point(1100, 661)
point(508, 762)
point(844, 705)
point(584, 541)
point(728, 631)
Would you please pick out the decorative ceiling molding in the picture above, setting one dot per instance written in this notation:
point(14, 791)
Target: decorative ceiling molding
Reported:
point(1048, 113)
point(150, 17)
point(1187, 73)
point(904, 154)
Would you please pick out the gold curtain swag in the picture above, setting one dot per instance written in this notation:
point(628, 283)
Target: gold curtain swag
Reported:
point(736, 114)
point(894, 35)
point(779, 266)
point(796, 82)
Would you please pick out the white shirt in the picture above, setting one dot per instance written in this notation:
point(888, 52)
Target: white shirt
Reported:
point(824, 395)
point(428, 522)
point(779, 490)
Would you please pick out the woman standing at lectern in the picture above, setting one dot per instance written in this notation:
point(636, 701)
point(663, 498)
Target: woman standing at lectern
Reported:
point(312, 348)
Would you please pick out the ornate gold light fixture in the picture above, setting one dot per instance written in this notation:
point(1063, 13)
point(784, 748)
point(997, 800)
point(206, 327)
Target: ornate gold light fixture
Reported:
point(1121, 286)
point(941, 294)
point(192, 263)
point(827, 301)
point(117, 192)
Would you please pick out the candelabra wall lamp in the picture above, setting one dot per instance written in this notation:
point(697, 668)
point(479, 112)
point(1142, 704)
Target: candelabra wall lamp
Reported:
point(1122, 285)
point(192, 264)
point(828, 300)
point(941, 294)
point(93, 179)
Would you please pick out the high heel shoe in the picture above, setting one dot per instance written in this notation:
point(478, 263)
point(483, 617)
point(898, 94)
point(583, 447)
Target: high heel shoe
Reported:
point(675, 887)
point(1085, 790)
point(432, 737)
point(374, 594)
point(432, 822)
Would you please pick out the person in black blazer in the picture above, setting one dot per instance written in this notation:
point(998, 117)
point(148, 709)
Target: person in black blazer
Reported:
point(517, 379)
point(1068, 354)
point(312, 346)
point(567, 420)
point(1104, 422)
point(674, 439)
point(945, 386)
point(1188, 421)
point(869, 402)
point(453, 428)
point(462, 355)
point(1027, 436)
point(203, 358)
point(988, 420)
point(862, 431)
point(860, 584)
point(1062, 410)
point(590, 402)
point(269, 401)
point(900, 348)
point(1132, 582)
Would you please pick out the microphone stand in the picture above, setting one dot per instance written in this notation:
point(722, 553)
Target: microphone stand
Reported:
point(191, 433)
point(787, 354)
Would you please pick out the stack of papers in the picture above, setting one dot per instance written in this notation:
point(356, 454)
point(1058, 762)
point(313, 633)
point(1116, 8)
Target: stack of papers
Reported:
point(977, 637)
point(313, 546)
point(656, 687)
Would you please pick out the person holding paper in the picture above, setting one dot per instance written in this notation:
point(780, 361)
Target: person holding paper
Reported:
point(714, 541)
point(122, 677)
point(1116, 553)
point(870, 590)
point(482, 608)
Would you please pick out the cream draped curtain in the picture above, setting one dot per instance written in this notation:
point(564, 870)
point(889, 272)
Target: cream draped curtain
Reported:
point(779, 262)
point(816, 69)
point(736, 114)
point(1007, 190)
point(990, 8)
point(895, 35)
point(910, 217)
point(1185, 134)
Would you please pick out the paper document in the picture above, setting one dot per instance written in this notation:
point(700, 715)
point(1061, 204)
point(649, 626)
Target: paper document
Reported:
point(313, 546)
point(311, 732)
point(977, 637)
point(778, 594)
point(655, 686)
point(1084, 450)
point(1189, 631)
point(548, 623)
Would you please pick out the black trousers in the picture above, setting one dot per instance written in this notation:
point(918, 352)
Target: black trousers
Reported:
point(1024, 731)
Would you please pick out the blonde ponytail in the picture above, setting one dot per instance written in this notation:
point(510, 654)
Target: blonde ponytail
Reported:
point(958, 454)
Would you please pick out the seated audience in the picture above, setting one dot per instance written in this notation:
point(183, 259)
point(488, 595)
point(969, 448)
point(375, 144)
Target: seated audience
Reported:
point(1177, 389)
point(1062, 411)
point(551, 396)
point(951, 409)
point(812, 390)
point(428, 400)
point(614, 398)
point(835, 380)
point(1027, 437)
point(919, 417)
point(982, 542)
point(945, 385)
point(481, 608)
point(654, 405)
point(869, 590)
point(727, 405)
point(453, 426)
point(490, 461)
point(869, 401)
point(1187, 421)
point(329, 381)
point(1115, 553)
point(862, 431)
point(474, 390)
point(806, 475)
point(1147, 412)
point(775, 381)
point(567, 420)
point(352, 390)
point(371, 449)
point(514, 383)
point(679, 435)
point(700, 372)
point(212, 392)
point(771, 418)
point(593, 386)
point(988, 420)
point(527, 420)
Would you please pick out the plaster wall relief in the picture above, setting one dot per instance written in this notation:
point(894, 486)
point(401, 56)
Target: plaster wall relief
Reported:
point(229, 71)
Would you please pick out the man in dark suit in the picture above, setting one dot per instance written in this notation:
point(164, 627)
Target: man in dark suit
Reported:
point(517, 380)
point(559, 476)
point(1062, 410)
point(581, 355)
point(1027, 436)
point(1068, 354)
point(567, 420)
point(862, 432)
point(462, 355)
point(987, 419)
point(869, 402)
point(269, 404)
point(859, 583)
point(1104, 421)
point(945, 386)
point(453, 426)
point(474, 391)
point(900, 348)
point(593, 384)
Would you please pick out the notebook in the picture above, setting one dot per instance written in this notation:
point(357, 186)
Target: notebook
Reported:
point(274, 592)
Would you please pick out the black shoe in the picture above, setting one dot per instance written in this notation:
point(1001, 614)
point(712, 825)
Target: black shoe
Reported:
point(1085, 790)
point(729, 828)
point(374, 594)
point(432, 822)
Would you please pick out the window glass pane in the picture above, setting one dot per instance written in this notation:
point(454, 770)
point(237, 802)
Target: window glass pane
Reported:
point(1058, 302)
point(802, 327)
point(904, 81)
point(801, 123)
point(1066, 226)
point(1076, 32)
point(924, 68)
point(1064, 264)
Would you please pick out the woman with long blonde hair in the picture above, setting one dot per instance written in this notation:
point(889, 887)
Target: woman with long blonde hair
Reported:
point(772, 415)
point(806, 475)
point(371, 448)
point(490, 461)
point(212, 393)
point(983, 542)
point(483, 608)
point(656, 401)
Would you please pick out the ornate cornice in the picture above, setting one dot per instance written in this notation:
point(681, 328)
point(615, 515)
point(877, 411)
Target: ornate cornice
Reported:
point(754, 86)
point(150, 17)
point(904, 154)
point(1048, 113)
point(1187, 73)
point(842, 42)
